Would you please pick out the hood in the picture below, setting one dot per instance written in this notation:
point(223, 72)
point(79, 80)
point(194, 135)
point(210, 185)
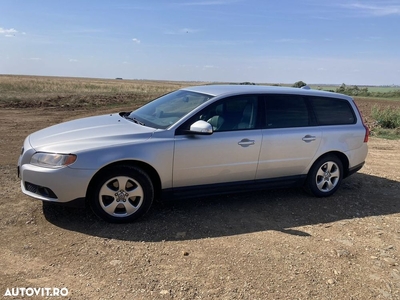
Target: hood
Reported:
point(92, 132)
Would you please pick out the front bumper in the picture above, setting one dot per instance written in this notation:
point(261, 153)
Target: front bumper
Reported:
point(56, 185)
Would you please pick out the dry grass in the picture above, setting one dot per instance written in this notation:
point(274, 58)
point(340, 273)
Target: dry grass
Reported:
point(37, 91)
point(79, 93)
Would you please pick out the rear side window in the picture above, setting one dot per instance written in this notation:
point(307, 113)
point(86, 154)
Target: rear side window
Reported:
point(283, 111)
point(332, 111)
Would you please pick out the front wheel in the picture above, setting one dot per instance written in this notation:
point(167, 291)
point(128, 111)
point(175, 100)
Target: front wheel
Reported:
point(121, 194)
point(325, 176)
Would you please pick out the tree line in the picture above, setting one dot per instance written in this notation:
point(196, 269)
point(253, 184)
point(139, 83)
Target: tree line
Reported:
point(354, 90)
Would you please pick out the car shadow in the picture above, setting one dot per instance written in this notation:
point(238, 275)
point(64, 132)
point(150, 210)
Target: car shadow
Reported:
point(281, 210)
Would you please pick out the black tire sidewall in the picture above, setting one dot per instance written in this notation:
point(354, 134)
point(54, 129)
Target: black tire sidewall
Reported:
point(311, 178)
point(130, 171)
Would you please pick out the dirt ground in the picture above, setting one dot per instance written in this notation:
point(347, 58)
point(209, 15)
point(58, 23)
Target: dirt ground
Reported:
point(277, 244)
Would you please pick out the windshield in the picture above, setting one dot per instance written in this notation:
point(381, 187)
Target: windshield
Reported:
point(168, 109)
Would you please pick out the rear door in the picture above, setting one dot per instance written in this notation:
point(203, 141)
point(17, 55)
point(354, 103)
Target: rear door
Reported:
point(290, 139)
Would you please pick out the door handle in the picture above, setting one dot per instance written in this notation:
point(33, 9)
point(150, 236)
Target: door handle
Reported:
point(309, 138)
point(246, 142)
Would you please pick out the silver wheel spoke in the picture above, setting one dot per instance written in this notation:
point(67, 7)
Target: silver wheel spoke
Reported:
point(335, 174)
point(330, 185)
point(130, 209)
point(320, 185)
point(110, 209)
point(106, 191)
point(137, 192)
point(320, 172)
point(129, 206)
point(329, 166)
point(122, 182)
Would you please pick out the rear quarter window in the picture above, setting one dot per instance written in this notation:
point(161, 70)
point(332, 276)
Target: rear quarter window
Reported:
point(332, 111)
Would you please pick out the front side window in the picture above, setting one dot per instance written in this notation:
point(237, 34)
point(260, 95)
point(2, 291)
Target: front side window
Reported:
point(332, 111)
point(232, 113)
point(284, 111)
point(168, 109)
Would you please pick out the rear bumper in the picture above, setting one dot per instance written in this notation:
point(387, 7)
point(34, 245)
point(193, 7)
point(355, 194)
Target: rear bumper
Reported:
point(355, 169)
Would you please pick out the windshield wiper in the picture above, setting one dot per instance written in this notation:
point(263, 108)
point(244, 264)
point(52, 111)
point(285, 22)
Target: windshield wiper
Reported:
point(126, 115)
point(134, 120)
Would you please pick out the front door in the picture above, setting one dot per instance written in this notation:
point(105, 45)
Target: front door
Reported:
point(230, 154)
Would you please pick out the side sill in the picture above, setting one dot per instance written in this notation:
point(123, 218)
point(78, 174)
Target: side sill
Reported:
point(77, 203)
point(232, 187)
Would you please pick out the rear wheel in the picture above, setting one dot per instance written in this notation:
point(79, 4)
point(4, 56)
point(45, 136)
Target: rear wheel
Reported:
point(121, 194)
point(325, 176)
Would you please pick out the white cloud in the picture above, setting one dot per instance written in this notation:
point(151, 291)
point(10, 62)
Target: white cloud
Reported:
point(35, 58)
point(8, 32)
point(188, 30)
point(182, 31)
point(137, 41)
point(73, 60)
point(379, 9)
point(208, 3)
point(295, 41)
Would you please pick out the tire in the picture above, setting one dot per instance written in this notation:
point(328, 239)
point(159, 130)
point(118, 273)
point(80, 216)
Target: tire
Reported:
point(121, 194)
point(325, 176)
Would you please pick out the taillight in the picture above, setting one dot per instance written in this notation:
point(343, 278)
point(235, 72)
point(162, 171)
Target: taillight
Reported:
point(366, 133)
point(365, 126)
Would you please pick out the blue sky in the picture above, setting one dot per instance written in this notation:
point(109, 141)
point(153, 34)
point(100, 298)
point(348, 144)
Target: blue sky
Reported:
point(317, 41)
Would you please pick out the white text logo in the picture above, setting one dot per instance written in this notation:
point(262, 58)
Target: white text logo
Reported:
point(29, 292)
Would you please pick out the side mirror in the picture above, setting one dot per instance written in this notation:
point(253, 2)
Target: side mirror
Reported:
point(201, 127)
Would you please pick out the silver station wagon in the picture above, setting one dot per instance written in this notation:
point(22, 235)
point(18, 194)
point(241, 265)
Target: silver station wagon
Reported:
point(197, 141)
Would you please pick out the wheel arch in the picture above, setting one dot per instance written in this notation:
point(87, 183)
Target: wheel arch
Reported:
point(343, 158)
point(153, 174)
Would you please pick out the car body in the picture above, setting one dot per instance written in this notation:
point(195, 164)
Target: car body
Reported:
point(195, 141)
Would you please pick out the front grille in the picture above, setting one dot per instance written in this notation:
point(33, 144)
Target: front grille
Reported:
point(40, 190)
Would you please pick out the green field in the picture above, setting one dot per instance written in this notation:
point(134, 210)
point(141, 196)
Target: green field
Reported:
point(374, 89)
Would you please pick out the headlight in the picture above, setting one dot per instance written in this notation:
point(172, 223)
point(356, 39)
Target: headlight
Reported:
point(52, 160)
